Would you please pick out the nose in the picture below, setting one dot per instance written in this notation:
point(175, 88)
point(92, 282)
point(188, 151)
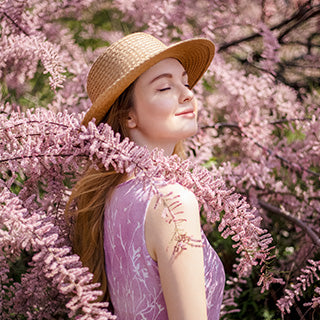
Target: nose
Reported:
point(186, 95)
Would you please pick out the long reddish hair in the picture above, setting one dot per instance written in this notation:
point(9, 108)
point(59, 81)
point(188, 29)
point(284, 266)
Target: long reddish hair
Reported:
point(91, 194)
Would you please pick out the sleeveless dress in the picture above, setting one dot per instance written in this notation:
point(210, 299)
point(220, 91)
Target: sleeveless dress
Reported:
point(133, 276)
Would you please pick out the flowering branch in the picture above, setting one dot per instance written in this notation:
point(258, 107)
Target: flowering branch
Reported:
point(309, 274)
point(17, 25)
point(52, 259)
point(293, 166)
point(100, 145)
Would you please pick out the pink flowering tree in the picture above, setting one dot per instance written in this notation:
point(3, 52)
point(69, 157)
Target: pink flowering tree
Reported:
point(254, 162)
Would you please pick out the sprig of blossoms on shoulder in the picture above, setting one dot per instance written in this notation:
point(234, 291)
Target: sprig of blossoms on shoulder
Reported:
point(42, 153)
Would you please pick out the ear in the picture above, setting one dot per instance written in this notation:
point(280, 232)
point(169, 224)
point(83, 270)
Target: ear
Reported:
point(131, 121)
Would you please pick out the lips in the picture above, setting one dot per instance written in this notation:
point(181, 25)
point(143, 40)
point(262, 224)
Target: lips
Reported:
point(185, 112)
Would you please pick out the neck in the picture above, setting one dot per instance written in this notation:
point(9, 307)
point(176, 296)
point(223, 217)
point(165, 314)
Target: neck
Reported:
point(167, 148)
point(152, 142)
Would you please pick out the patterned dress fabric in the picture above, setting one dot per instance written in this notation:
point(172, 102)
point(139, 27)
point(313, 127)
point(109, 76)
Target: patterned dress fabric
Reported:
point(133, 276)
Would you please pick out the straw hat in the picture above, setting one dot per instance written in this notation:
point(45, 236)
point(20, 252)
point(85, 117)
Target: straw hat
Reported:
point(125, 60)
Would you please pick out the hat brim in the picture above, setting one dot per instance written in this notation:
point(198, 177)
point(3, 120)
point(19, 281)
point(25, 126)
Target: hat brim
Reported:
point(194, 54)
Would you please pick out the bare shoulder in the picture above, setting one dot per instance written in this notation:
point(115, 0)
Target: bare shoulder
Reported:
point(176, 193)
point(181, 275)
point(176, 208)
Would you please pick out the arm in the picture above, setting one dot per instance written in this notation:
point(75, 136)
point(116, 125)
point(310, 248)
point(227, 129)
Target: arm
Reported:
point(182, 277)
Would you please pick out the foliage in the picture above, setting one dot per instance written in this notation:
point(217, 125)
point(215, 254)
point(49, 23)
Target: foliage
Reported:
point(259, 134)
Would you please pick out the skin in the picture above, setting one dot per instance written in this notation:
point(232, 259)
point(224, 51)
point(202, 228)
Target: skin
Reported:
point(164, 109)
point(164, 113)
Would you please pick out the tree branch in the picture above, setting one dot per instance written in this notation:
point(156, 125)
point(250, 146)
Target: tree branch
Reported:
point(280, 121)
point(236, 126)
point(19, 27)
point(279, 212)
point(301, 15)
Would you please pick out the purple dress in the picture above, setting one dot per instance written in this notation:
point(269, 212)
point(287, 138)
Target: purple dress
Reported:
point(133, 276)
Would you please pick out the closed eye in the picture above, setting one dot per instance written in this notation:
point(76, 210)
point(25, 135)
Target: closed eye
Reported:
point(164, 89)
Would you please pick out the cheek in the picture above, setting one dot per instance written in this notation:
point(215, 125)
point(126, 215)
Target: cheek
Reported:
point(161, 108)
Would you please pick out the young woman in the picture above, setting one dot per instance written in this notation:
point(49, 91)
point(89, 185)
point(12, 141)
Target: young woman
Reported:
point(142, 89)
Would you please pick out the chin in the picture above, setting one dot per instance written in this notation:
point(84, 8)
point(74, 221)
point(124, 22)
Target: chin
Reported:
point(190, 133)
point(193, 131)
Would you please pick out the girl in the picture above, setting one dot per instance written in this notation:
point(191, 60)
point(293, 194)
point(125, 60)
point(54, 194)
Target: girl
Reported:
point(142, 89)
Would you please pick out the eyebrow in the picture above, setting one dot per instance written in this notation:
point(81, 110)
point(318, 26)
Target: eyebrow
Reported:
point(165, 75)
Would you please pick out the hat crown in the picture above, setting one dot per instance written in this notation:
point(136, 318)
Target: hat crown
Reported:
point(119, 59)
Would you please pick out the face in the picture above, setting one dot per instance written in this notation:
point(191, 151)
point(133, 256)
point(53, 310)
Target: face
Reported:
point(164, 110)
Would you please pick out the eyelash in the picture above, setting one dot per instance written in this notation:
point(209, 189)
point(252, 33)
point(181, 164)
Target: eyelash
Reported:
point(168, 88)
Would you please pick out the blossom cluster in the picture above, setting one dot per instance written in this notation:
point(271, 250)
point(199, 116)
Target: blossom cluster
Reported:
point(41, 148)
point(259, 135)
point(308, 276)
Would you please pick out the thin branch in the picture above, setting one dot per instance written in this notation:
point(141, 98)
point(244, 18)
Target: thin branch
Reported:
point(291, 64)
point(42, 156)
point(275, 210)
point(222, 125)
point(19, 27)
point(268, 150)
point(299, 312)
point(236, 126)
point(279, 75)
point(301, 43)
point(280, 121)
point(34, 121)
point(299, 198)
